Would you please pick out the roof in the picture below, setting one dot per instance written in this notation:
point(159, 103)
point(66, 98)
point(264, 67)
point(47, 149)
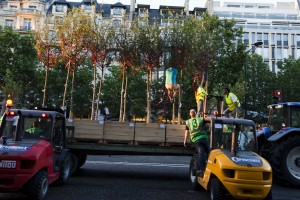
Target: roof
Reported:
point(37, 113)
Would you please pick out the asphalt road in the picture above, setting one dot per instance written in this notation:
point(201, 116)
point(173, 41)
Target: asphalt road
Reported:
point(136, 178)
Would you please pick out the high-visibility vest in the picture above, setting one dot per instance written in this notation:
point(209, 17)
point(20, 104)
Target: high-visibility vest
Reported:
point(196, 129)
point(200, 94)
point(232, 105)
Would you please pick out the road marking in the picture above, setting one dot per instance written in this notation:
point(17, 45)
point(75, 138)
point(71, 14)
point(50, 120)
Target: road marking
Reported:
point(139, 164)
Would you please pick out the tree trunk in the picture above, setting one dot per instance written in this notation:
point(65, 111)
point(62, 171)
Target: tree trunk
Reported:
point(179, 99)
point(45, 86)
point(72, 92)
point(99, 91)
point(122, 95)
point(148, 97)
point(94, 93)
point(66, 86)
point(125, 97)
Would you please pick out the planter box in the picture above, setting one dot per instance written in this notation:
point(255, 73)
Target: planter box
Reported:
point(150, 133)
point(117, 132)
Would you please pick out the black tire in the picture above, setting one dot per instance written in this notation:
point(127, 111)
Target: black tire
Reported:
point(38, 186)
point(216, 189)
point(82, 160)
point(74, 163)
point(65, 169)
point(285, 160)
point(192, 174)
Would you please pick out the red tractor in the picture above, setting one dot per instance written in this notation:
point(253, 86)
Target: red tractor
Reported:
point(32, 151)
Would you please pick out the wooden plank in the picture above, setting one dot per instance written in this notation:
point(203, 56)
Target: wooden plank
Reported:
point(151, 133)
point(175, 134)
point(88, 130)
point(118, 131)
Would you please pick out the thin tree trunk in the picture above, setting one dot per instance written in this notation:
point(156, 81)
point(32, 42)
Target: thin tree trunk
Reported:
point(45, 86)
point(125, 97)
point(72, 92)
point(122, 95)
point(94, 92)
point(179, 99)
point(99, 91)
point(66, 86)
point(148, 97)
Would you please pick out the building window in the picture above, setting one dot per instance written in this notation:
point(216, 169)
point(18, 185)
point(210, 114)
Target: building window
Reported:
point(26, 25)
point(293, 17)
point(279, 54)
point(266, 41)
point(273, 39)
point(285, 53)
point(293, 53)
point(237, 15)
point(246, 38)
point(13, 7)
point(143, 12)
point(233, 6)
point(59, 8)
point(261, 16)
point(252, 37)
point(293, 39)
point(32, 7)
point(9, 23)
point(273, 52)
point(249, 15)
point(259, 37)
point(117, 23)
point(249, 6)
point(263, 6)
point(297, 54)
point(117, 12)
point(285, 40)
point(298, 40)
point(87, 7)
point(278, 39)
point(266, 53)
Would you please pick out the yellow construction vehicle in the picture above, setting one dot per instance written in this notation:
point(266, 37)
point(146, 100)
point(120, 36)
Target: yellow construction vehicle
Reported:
point(233, 167)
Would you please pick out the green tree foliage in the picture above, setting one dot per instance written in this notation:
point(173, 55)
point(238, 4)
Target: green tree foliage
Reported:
point(19, 56)
point(288, 79)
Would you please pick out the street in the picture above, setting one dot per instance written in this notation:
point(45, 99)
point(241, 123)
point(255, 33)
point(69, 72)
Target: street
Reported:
point(136, 178)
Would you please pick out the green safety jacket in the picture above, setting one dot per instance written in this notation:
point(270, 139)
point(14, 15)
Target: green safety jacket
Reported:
point(196, 128)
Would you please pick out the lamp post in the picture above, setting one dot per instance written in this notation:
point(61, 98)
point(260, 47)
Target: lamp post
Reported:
point(252, 50)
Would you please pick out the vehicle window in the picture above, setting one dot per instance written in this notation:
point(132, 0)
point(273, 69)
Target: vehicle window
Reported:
point(58, 134)
point(246, 138)
point(295, 117)
point(9, 128)
point(37, 128)
point(277, 118)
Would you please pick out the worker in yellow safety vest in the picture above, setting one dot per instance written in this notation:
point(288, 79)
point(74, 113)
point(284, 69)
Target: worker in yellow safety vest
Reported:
point(199, 95)
point(232, 102)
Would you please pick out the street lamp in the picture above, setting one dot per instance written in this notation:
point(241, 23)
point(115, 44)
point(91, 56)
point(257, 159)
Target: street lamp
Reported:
point(252, 50)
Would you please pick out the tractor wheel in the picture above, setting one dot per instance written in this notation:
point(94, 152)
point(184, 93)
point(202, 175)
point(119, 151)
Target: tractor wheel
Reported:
point(285, 160)
point(65, 169)
point(38, 186)
point(74, 163)
point(81, 160)
point(216, 189)
point(192, 173)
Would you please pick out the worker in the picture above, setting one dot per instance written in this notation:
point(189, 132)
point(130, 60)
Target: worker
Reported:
point(195, 127)
point(199, 95)
point(232, 102)
point(171, 85)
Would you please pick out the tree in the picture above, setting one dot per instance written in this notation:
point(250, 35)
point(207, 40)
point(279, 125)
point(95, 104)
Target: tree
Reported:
point(49, 51)
point(74, 34)
point(150, 45)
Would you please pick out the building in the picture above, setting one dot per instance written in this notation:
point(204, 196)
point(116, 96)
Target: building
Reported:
point(275, 23)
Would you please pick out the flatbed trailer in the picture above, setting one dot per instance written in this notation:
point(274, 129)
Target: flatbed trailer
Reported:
point(89, 137)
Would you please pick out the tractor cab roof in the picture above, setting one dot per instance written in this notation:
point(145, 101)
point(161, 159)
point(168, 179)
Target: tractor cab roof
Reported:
point(37, 113)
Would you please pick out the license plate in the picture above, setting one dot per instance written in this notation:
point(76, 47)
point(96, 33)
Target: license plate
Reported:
point(8, 164)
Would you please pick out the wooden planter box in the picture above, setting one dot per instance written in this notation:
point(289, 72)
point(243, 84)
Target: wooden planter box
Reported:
point(118, 132)
point(87, 130)
point(175, 134)
point(150, 133)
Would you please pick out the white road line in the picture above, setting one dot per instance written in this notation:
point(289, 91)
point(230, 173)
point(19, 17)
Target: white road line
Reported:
point(139, 164)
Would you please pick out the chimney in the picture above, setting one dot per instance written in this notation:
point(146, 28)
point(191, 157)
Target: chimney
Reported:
point(187, 6)
point(132, 9)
